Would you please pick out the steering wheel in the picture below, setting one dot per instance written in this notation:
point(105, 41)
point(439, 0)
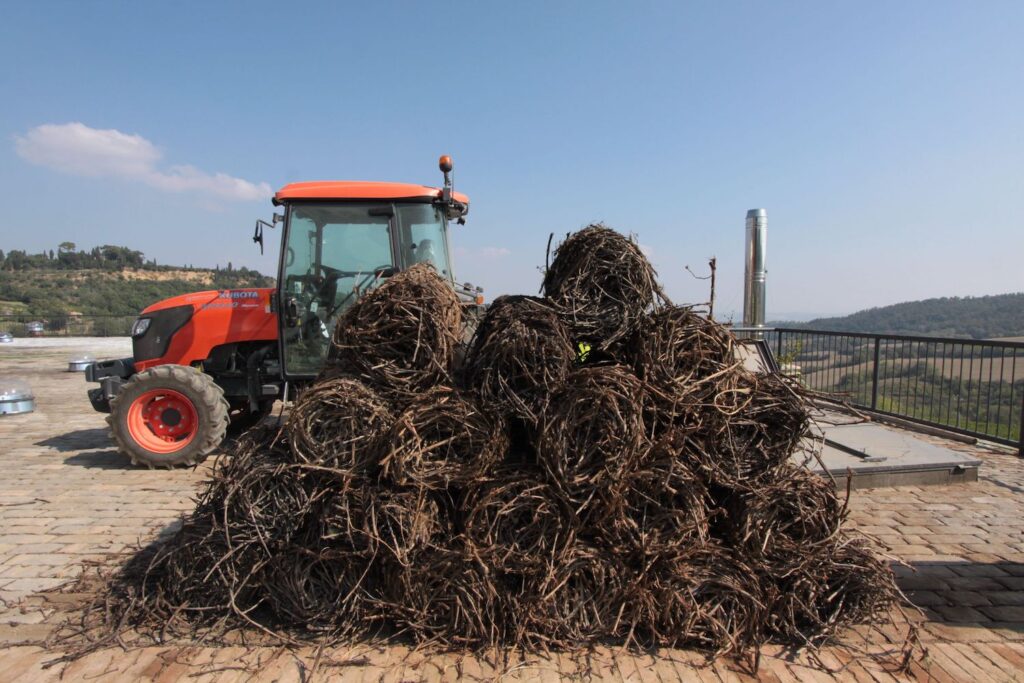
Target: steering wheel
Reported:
point(374, 273)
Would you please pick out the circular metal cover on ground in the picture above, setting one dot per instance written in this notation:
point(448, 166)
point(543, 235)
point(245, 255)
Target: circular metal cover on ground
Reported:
point(15, 396)
point(80, 363)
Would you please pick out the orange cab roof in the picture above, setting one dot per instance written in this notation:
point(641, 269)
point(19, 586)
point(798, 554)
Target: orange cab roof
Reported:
point(359, 189)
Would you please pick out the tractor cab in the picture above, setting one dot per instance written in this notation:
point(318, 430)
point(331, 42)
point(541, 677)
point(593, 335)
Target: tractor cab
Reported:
point(342, 239)
point(208, 361)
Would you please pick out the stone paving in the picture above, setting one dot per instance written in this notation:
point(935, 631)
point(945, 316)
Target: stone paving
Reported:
point(68, 498)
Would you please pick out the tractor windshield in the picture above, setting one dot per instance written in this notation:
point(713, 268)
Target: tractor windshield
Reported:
point(425, 234)
point(334, 253)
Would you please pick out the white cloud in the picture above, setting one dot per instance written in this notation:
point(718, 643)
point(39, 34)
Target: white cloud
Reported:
point(80, 150)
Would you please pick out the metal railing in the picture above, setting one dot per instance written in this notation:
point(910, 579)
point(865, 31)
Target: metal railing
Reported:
point(970, 386)
point(21, 325)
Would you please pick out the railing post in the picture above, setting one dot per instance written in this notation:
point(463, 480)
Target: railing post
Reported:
point(1020, 446)
point(874, 377)
point(778, 345)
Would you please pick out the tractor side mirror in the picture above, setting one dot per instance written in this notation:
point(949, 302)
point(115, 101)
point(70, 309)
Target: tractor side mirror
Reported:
point(257, 235)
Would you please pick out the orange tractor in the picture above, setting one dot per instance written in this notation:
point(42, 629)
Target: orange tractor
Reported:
point(209, 362)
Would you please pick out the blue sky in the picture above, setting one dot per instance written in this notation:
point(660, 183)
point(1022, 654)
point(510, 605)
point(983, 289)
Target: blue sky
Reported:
point(885, 139)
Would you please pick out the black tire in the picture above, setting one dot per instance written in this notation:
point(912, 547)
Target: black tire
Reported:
point(206, 399)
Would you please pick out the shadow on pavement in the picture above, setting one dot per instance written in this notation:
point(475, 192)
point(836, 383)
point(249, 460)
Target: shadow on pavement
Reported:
point(78, 440)
point(104, 460)
point(965, 593)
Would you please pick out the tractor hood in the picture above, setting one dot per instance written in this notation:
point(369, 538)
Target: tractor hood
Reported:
point(184, 329)
point(215, 298)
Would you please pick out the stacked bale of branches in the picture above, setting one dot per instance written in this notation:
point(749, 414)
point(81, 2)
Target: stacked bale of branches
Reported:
point(601, 467)
point(603, 285)
point(443, 440)
point(688, 363)
point(400, 338)
point(519, 352)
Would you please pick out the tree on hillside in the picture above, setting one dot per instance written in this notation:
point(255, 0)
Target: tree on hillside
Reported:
point(983, 317)
point(65, 247)
point(121, 257)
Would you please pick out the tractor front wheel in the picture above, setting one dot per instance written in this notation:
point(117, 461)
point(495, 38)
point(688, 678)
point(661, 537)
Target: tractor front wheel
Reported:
point(167, 416)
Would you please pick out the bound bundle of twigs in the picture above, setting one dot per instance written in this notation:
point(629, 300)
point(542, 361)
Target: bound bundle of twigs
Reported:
point(401, 337)
point(660, 511)
point(787, 520)
point(518, 521)
point(337, 423)
point(650, 499)
point(687, 362)
point(842, 583)
point(518, 353)
point(443, 439)
point(744, 434)
point(602, 283)
point(578, 601)
point(592, 431)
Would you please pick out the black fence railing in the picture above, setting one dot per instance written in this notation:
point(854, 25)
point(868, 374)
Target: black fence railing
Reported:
point(970, 386)
point(20, 325)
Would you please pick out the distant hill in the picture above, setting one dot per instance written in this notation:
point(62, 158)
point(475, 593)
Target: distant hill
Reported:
point(981, 317)
point(104, 280)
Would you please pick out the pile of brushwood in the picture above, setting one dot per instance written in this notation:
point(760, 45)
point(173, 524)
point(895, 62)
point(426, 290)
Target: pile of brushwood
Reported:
point(596, 466)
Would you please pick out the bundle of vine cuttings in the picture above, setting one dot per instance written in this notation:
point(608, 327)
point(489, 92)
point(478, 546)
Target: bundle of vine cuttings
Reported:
point(401, 337)
point(650, 500)
point(520, 351)
point(603, 284)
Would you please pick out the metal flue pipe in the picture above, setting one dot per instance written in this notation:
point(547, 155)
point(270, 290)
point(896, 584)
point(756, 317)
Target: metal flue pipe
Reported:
point(754, 277)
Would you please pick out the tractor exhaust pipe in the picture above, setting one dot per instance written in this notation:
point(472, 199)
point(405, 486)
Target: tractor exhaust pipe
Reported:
point(754, 277)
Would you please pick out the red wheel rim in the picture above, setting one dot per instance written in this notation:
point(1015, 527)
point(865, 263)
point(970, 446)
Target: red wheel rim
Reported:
point(163, 421)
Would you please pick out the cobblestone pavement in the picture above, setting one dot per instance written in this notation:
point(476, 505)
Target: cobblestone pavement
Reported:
point(67, 498)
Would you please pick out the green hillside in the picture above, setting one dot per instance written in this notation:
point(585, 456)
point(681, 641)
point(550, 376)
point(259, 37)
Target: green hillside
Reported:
point(981, 317)
point(105, 280)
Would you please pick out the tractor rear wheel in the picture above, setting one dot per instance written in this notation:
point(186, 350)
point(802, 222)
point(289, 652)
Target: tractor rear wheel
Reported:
point(167, 416)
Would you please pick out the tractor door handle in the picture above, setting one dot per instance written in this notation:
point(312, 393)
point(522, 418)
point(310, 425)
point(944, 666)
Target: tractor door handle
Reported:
point(291, 313)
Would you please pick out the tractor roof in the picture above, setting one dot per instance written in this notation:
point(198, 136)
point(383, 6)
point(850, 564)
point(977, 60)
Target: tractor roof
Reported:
point(359, 189)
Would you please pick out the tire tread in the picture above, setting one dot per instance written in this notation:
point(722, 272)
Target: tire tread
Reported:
point(211, 405)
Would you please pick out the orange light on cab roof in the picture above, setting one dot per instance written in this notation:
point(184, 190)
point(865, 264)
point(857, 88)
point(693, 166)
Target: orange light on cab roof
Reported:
point(445, 163)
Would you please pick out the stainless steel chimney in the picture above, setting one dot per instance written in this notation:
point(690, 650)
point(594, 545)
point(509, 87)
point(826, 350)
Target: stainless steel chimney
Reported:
point(754, 277)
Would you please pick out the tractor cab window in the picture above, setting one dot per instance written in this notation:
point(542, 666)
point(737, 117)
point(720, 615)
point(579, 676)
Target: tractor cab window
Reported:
point(424, 235)
point(334, 253)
